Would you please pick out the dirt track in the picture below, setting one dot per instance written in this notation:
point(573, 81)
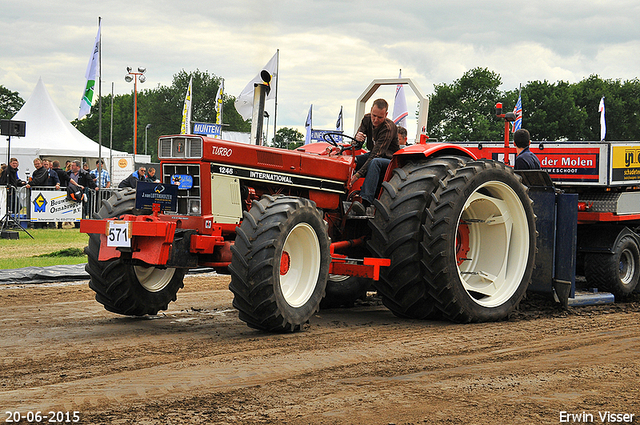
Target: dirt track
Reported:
point(198, 364)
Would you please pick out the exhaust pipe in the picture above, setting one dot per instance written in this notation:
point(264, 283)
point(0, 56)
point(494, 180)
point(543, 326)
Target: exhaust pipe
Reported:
point(260, 92)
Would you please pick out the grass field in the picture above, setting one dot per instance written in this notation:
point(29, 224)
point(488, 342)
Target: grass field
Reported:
point(23, 252)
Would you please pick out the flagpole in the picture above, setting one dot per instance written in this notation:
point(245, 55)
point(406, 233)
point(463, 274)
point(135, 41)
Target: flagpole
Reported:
point(520, 97)
point(99, 168)
point(111, 135)
point(603, 123)
point(275, 111)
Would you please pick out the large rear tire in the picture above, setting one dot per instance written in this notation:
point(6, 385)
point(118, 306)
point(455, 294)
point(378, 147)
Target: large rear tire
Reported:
point(618, 272)
point(397, 231)
point(280, 263)
point(479, 243)
point(124, 288)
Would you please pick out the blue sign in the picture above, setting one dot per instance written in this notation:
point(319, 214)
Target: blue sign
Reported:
point(207, 129)
point(183, 181)
point(148, 193)
point(317, 136)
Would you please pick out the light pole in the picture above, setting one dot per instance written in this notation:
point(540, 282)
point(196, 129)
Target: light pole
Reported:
point(145, 137)
point(135, 76)
point(266, 136)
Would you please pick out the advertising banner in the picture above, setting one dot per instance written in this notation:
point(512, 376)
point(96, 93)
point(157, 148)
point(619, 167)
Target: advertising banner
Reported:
point(625, 162)
point(148, 194)
point(207, 129)
point(318, 136)
point(52, 205)
point(123, 167)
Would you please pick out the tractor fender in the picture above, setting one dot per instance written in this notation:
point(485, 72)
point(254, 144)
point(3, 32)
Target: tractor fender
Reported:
point(602, 238)
point(423, 151)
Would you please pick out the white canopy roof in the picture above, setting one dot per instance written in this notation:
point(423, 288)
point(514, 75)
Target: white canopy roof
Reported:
point(48, 133)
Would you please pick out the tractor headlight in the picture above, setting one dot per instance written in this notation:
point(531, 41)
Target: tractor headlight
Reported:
point(194, 206)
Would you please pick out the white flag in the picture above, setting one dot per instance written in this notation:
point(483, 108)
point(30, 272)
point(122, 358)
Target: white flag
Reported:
point(307, 125)
point(603, 123)
point(244, 102)
point(93, 69)
point(400, 112)
point(186, 110)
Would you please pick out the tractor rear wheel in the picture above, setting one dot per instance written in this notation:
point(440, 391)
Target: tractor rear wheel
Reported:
point(479, 243)
point(124, 288)
point(618, 272)
point(280, 263)
point(397, 231)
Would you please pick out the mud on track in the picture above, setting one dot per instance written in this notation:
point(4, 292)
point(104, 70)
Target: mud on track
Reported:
point(198, 364)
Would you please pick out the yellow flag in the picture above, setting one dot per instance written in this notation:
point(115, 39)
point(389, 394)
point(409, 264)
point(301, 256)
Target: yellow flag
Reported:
point(186, 111)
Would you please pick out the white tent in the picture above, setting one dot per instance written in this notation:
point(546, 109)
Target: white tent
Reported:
point(49, 135)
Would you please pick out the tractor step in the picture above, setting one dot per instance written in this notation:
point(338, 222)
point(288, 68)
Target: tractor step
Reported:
point(591, 298)
point(370, 211)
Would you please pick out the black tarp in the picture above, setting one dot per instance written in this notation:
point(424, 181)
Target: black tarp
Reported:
point(63, 273)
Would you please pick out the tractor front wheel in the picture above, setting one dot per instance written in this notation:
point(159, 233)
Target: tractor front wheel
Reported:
point(280, 263)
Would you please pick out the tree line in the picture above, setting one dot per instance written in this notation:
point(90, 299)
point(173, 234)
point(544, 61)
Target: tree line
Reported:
point(462, 110)
point(162, 108)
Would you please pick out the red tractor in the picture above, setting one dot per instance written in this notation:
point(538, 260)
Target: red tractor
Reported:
point(452, 236)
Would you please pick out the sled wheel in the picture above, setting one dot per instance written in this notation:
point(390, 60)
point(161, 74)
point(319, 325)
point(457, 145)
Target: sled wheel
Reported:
point(343, 291)
point(280, 263)
point(397, 231)
point(617, 272)
point(124, 288)
point(479, 247)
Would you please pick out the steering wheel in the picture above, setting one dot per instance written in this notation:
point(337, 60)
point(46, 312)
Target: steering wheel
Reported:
point(328, 137)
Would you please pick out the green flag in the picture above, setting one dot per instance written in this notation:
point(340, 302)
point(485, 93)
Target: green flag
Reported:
point(93, 69)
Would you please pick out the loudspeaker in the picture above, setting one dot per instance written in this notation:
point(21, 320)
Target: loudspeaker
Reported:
point(13, 128)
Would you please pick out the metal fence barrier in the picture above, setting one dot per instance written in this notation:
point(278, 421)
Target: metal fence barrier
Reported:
point(95, 197)
point(13, 205)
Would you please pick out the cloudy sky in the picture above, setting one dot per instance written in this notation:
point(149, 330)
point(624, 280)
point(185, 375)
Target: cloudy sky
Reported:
point(329, 50)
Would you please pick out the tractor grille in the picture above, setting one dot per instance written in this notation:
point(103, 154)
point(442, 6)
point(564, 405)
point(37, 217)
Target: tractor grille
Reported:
point(180, 147)
point(185, 196)
point(269, 158)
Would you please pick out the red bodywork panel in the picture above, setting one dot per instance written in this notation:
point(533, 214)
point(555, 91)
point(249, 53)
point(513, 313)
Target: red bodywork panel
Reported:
point(152, 237)
point(425, 150)
point(300, 163)
point(585, 217)
point(153, 247)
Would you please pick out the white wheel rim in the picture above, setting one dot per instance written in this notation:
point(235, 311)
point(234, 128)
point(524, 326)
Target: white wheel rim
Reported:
point(302, 250)
point(153, 279)
point(498, 244)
